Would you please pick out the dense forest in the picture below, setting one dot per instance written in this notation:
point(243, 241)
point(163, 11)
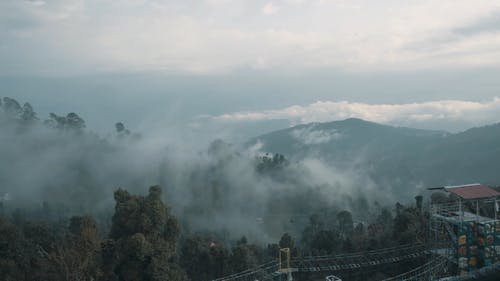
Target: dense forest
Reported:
point(73, 205)
point(145, 242)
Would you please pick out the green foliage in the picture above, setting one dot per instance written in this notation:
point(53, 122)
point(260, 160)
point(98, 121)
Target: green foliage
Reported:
point(142, 246)
point(11, 107)
point(77, 257)
point(244, 256)
point(286, 241)
point(407, 224)
point(144, 238)
point(269, 163)
point(325, 242)
point(28, 114)
point(346, 225)
point(439, 197)
point(143, 241)
point(32, 252)
point(12, 262)
point(70, 122)
point(204, 259)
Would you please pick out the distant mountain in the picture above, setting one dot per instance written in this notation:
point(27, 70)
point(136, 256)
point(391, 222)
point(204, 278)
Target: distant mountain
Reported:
point(394, 155)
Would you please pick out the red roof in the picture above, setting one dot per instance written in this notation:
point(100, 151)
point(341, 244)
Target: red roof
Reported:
point(472, 191)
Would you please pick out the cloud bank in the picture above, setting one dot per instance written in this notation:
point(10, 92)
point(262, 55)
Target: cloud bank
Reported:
point(467, 112)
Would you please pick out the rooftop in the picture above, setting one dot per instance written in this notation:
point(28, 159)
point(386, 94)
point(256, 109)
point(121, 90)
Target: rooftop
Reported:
point(472, 191)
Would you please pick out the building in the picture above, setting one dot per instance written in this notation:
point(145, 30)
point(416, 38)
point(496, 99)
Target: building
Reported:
point(466, 229)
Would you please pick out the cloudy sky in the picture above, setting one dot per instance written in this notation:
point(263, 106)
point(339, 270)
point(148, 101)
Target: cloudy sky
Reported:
point(417, 62)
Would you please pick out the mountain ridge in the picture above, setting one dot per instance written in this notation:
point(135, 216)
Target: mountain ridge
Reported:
point(393, 154)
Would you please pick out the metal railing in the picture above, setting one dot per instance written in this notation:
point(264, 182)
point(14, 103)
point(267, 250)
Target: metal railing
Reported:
point(332, 263)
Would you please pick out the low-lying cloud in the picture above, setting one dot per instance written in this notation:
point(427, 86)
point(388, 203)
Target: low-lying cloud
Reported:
point(310, 135)
point(408, 114)
point(211, 186)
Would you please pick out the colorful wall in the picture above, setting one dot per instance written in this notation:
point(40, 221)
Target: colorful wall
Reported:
point(478, 245)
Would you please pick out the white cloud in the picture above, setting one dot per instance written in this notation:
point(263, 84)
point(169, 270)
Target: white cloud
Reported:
point(269, 9)
point(406, 114)
point(222, 35)
point(313, 136)
point(38, 2)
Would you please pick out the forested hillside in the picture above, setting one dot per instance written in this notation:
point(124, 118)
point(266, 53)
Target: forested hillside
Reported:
point(73, 204)
point(403, 158)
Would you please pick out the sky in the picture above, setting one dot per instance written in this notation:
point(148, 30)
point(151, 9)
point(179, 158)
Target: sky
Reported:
point(262, 64)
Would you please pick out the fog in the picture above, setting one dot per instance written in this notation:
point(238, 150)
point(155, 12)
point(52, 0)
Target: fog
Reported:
point(153, 100)
point(212, 185)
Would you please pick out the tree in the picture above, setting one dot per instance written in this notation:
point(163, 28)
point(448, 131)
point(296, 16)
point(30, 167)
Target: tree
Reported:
point(76, 258)
point(347, 246)
point(220, 260)
point(309, 234)
point(24, 250)
point(12, 107)
point(407, 224)
point(269, 163)
point(286, 241)
point(28, 114)
point(55, 121)
point(326, 242)
point(203, 259)
point(11, 252)
point(71, 122)
point(245, 255)
point(346, 226)
point(119, 127)
point(243, 241)
point(439, 198)
point(385, 219)
point(419, 202)
point(143, 239)
point(121, 130)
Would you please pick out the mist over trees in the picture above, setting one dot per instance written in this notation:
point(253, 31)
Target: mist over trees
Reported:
point(73, 204)
point(61, 164)
point(146, 242)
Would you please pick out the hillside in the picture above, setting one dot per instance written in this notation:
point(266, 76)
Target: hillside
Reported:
point(394, 155)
